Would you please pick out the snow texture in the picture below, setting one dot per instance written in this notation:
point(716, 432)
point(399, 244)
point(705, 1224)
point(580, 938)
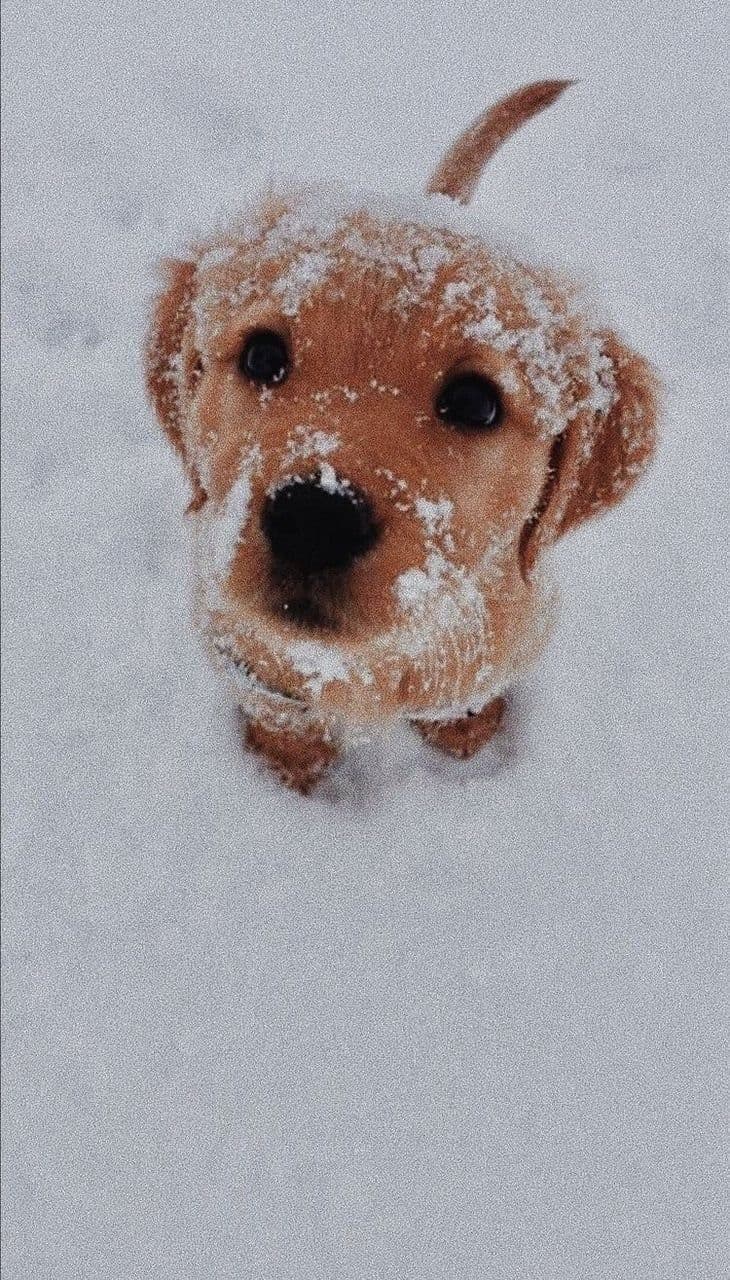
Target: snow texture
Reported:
point(439, 1020)
point(312, 216)
point(224, 523)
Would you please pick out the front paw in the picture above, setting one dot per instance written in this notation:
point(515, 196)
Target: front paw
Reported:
point(464, 737)
point(298, 754)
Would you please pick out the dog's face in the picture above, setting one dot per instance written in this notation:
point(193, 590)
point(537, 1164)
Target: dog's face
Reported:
point(384, 421)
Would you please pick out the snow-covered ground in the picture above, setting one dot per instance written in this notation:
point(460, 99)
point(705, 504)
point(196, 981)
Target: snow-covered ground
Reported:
point(438, 1022)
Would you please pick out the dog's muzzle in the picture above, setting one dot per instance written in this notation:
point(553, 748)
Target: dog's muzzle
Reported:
point(318, 523)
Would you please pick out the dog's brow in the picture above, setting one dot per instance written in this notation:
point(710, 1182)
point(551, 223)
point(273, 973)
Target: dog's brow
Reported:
point(228, 340)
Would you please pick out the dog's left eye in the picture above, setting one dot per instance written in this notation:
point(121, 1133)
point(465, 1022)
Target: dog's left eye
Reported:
point(471, 402)
point(265, 358)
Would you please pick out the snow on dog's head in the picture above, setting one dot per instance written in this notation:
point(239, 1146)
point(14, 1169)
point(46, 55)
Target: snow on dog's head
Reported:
point(385, 416)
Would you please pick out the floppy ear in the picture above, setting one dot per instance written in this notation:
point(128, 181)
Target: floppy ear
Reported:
point(163, 360)
point(600, 455)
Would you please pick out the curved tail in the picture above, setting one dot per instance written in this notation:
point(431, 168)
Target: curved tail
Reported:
point(461, 168)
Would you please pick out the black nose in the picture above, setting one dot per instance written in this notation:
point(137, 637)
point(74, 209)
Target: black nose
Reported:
point(318, 523)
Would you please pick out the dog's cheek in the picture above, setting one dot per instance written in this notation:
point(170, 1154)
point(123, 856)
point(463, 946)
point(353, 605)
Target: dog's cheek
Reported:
point(505, 503)
point(533, 531)
point(214, 431)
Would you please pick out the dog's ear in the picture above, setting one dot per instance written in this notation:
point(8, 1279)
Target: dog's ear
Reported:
point(163, 359)
point(600, 455)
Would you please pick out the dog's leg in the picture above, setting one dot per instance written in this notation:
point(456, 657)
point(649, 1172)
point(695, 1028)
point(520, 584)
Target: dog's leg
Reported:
point(298, 752)
point(463, 738)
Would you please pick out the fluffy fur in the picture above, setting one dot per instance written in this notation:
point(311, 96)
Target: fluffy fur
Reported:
point(379, 303)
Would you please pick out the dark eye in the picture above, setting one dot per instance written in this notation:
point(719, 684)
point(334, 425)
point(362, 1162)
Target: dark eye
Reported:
point(264, 358)
point(470, 401)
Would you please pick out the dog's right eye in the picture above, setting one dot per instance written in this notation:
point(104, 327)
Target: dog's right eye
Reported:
point(265, 358)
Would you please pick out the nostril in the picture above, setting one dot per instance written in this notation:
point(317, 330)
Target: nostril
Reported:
point(313, 525)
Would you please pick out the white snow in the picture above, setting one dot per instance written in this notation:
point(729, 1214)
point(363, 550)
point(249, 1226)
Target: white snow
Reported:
point(435, 515)
point(222, 525)
point(438, 1020)
point(308, 442)
point(321, 664)
point(328, 479)
point(442, 599)
point(306, 272)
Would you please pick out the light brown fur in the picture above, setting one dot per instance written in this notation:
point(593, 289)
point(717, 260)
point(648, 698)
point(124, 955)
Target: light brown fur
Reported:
point(298, 754)
point(461, 168)
point(447, 607)
point(463, 738)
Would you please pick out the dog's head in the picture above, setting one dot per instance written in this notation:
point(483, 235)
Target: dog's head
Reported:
point(385, 420)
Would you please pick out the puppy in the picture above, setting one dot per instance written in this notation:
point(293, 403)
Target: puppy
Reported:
point(386, 419)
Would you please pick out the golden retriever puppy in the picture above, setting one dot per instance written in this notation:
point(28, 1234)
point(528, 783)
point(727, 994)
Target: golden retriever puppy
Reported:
point(386, 419)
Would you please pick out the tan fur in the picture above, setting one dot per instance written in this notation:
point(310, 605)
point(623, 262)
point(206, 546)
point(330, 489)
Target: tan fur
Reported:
point(464, 737)
point(458, 173)
point(299, 757)
point(596, 461)
point(448, 607)
point(170, 319)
